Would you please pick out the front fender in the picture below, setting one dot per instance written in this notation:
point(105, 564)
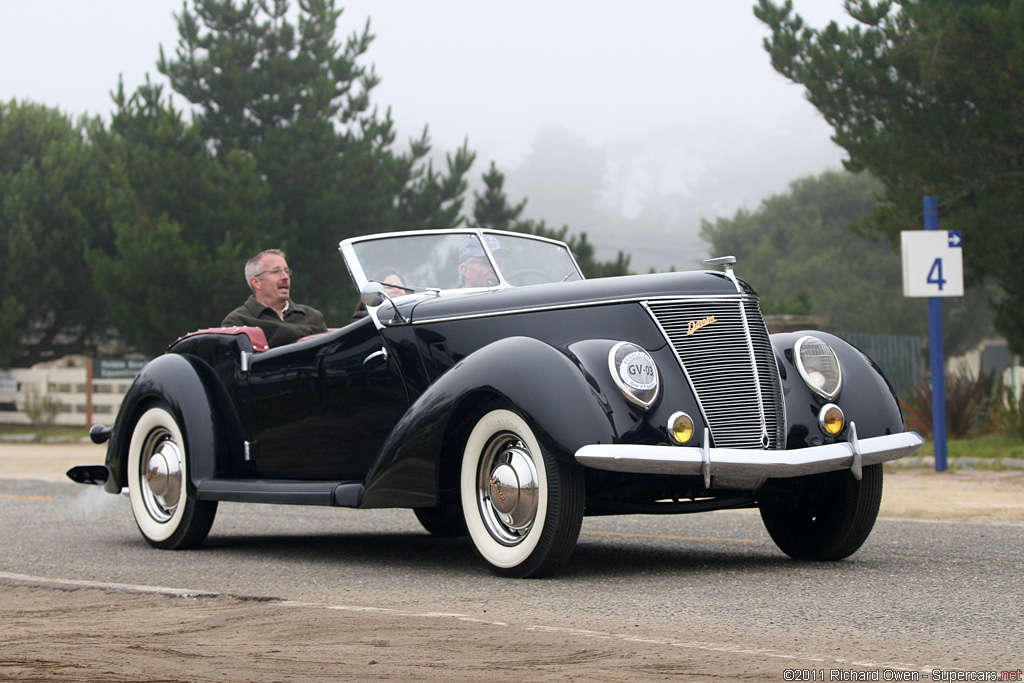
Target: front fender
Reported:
point(542, 383)
point(190, 388)
point(866, 397)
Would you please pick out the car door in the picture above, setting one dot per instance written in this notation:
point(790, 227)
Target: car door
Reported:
point(321, 409)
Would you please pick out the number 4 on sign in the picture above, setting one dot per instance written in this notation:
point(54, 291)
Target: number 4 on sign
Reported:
point(932, 263)
point(935, 274)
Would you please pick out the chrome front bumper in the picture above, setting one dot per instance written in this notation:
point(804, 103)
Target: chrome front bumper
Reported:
point(747, 469)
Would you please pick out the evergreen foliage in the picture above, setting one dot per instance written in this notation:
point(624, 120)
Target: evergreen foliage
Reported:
point(282, 90)
point(52, 206)
point(184, 219)
point(927, 96)
point(121, 238)
point(492, 210)
point(799, 253)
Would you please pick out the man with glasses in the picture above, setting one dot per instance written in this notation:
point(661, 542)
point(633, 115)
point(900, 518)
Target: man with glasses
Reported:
point(474, 267)
point(269, 307)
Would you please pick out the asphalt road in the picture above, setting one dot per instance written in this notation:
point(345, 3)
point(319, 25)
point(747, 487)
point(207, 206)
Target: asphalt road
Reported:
point(919, 596)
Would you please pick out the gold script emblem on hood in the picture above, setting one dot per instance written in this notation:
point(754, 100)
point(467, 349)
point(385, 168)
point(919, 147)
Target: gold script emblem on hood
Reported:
point(695, 325)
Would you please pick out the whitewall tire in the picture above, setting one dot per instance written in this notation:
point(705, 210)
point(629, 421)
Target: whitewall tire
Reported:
point(523, 508)
point(158, 459)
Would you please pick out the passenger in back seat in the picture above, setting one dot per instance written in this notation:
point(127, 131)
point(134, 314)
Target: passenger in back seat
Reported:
point(270, 307)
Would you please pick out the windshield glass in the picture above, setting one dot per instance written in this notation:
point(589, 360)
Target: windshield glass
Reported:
point(452, 260)
point(532, 262)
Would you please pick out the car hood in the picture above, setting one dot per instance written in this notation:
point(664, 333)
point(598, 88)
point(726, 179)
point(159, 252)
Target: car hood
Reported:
point(570, 294)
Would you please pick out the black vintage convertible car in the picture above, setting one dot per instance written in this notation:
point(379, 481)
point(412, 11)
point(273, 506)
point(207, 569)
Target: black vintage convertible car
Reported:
point(497, 393)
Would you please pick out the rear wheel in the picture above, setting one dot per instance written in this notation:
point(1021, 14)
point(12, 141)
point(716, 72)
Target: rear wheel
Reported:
point(158, 460)
point(523, 507)
point(824, 516)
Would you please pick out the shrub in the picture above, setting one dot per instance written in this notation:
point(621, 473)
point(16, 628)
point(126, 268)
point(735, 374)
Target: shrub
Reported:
point(42, 411)
point(1007, 414)
point(968, 400)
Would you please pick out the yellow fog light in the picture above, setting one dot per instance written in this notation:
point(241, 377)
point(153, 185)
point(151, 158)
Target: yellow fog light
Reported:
point(831, 419)
point(680, 427)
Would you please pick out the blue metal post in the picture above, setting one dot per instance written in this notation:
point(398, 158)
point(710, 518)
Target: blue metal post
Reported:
point(931, 222)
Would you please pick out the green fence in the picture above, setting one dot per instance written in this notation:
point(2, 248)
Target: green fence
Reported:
point(901, 357)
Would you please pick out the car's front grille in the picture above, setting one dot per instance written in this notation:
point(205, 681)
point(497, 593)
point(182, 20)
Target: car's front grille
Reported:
point(725, 350)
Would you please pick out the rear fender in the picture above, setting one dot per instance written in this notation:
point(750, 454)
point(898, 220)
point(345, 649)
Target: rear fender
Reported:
point(543, 384)
point(195, 396)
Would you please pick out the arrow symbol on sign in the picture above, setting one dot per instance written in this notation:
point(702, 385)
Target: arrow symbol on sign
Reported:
point(954, 238)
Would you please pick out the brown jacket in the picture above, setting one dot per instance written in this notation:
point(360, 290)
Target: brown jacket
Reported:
point(299, 321)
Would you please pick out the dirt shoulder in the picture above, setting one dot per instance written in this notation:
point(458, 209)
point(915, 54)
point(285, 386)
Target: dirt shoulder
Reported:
point(137, 638)
point(150, 637)
point(954, 495)
point(910, 493)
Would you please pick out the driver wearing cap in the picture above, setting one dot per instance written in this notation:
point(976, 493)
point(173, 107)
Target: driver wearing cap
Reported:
point(475, 268)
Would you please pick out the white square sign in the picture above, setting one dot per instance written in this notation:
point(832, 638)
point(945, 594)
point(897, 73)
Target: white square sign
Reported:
point(933, 263)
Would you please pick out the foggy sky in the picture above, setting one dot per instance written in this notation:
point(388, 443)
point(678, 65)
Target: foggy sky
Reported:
point(666, 90)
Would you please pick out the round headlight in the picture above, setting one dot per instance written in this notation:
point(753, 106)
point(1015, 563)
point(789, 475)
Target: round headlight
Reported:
point(634, 373)
point(831, 419)
point(680, 428)
point(818, 366)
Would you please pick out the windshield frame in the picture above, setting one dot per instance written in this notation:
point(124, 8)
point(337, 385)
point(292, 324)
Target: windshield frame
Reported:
point(348, 249)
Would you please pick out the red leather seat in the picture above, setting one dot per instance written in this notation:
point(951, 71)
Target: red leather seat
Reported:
point(256, 336)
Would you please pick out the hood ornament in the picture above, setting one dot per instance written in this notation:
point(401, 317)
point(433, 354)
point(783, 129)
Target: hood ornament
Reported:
point(727, 263)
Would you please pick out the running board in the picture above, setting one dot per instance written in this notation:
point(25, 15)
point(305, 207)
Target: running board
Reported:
point(282, 491)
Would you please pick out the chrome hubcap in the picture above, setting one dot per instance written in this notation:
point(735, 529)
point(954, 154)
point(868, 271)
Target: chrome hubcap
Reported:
point(160, 475)
point(507, 490)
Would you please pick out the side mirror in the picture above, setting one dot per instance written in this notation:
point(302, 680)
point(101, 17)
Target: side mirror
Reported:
point(372, 294)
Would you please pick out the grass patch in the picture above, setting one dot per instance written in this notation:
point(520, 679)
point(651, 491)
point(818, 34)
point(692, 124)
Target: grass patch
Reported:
point(991, 447)
point(51, 433)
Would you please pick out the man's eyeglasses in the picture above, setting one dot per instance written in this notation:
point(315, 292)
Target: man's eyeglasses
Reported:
point(275, 272)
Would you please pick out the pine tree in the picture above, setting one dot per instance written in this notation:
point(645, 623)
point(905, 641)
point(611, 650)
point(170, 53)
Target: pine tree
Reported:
point(297, 101)
point(52, 205)
point(928, 97)
point(185, 220)
point(492, 210)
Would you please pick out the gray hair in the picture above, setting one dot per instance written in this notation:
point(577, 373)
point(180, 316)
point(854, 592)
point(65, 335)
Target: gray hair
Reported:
point(254, 266)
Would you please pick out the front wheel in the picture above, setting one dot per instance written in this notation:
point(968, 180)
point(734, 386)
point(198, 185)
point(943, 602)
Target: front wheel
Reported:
point(167, 514)
point(824, 516)
point(443, 521)
point(523, 507)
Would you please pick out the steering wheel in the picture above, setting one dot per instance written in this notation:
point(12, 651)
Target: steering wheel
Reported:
point(522, 277)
